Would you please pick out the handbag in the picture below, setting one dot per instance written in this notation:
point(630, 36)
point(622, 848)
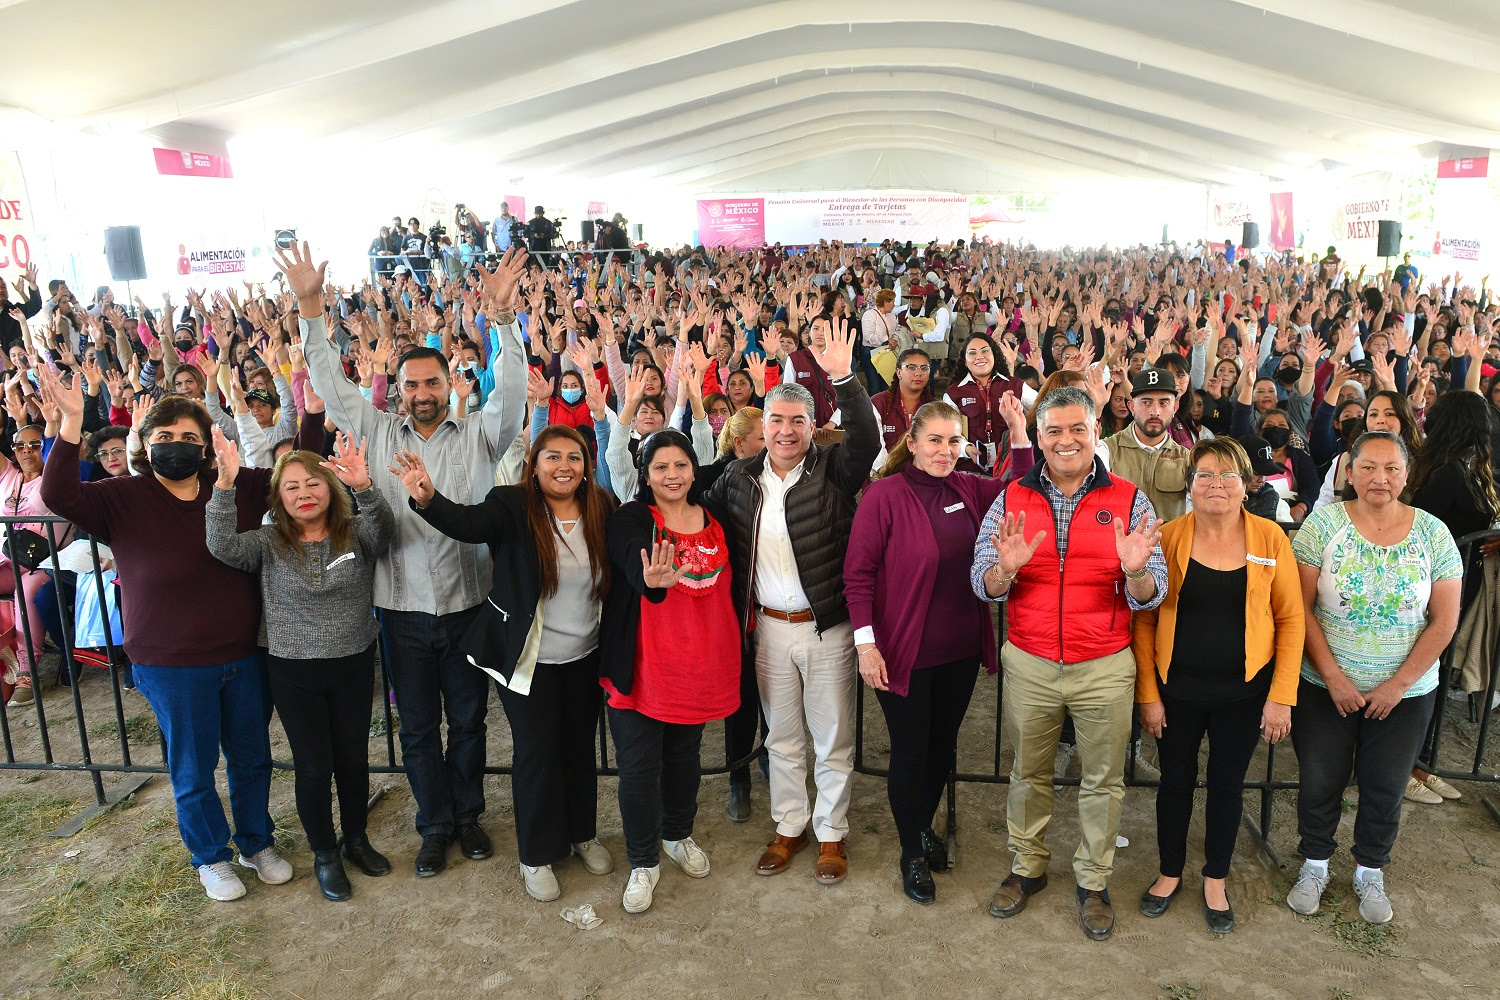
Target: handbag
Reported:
point(25, 548)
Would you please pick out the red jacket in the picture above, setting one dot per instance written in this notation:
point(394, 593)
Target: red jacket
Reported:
point(1071, 609)
point(894, 420)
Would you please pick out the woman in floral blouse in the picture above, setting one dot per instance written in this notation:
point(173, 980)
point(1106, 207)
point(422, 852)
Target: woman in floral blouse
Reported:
point(1382, 583)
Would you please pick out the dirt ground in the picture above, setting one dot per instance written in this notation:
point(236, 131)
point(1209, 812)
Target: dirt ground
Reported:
point(473, 931)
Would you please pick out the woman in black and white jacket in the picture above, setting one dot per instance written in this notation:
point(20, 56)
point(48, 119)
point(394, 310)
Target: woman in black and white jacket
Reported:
point(538, 636)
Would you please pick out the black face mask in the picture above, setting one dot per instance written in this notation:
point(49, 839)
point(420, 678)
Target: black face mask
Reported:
point(1276, 437)
point(1350, 426)
point(1288, 376)
point(183, 346)
point(176, 460)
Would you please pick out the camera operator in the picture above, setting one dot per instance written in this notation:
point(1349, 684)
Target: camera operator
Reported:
point(540, 232)
point(503, 228)
point(467, 228)
point(414, 250)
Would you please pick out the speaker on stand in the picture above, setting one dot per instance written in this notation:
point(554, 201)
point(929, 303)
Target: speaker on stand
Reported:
point(1389, 239)
point(587, 227)
point(1250, 236)
point(123, 253)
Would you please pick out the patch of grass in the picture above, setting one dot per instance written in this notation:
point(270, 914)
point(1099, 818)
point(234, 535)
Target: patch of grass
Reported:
point(1184, 991)
point(140, 730)
point(378, 726)
point(24, 821)
point(1370, 940)
point(139, 929)
point(1340, 993)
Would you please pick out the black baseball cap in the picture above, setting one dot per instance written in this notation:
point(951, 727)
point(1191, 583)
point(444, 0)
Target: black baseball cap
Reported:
point(1153, 380)
point(1259, 450)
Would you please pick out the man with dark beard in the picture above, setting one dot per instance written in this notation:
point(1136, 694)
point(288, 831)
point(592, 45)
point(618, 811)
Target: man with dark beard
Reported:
point(1144, 453)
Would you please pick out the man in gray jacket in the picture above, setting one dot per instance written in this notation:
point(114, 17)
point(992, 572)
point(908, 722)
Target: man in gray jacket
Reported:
point(428, 587)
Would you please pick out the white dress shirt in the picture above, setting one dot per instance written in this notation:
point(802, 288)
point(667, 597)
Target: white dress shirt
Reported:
point(777, 583)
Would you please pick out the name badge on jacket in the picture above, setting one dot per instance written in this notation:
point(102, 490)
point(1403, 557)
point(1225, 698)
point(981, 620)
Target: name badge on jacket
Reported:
point(953, 507)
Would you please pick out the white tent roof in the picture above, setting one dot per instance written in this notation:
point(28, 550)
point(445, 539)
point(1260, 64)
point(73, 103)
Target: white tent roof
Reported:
point(732, 95)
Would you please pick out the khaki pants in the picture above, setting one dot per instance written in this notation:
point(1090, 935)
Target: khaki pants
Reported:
point(1100, 696)
point(802, 675)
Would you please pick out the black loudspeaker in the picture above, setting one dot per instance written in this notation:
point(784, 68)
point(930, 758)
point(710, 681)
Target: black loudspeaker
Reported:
point(1250, 235)
point(588, 230)
point(1390, 239)
point(122, 248)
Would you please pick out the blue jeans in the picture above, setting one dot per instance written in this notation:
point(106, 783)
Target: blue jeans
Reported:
point(200, 709)
point(432, 679)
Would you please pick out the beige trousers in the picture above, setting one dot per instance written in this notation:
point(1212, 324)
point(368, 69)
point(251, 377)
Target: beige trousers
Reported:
point(804, 676)
point(1100, 696)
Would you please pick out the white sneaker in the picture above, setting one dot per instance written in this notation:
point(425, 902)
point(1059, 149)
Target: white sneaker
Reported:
point(220, 881)
point(595, 857)
point(1418, 792)
point(1374, 905)
point(541, 883)
point(1061, 763)
point(1143, 768)
point(270, 866)
point(688, 856)
point(1307, 894)
point(639, 889)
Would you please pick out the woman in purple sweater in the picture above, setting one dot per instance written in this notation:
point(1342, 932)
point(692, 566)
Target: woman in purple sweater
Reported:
point(920, 631)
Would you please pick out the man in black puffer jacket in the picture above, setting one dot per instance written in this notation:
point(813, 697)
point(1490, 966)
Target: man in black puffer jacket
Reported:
point(792, 507)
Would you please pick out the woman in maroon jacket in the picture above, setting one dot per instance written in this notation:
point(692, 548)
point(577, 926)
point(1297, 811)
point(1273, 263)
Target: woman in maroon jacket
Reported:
point(920, 631)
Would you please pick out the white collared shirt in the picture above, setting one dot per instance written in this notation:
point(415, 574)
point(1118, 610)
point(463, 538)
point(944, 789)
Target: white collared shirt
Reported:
point(777, 583)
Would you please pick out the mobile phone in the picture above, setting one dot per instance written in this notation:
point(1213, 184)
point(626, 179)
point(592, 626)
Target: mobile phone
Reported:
point(1020, 287)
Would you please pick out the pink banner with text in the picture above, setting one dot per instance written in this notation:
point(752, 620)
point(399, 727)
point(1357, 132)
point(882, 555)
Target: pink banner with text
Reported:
point(181, 163)
point(732, 222)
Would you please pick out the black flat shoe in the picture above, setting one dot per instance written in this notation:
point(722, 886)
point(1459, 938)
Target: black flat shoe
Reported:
point(737, 803)
point(1219, 921)
point(362, 853)
point(935, 850)
point(1155, 906)
point(916, 880)
point(329, 868)
point(433, 857)
point(474, 842)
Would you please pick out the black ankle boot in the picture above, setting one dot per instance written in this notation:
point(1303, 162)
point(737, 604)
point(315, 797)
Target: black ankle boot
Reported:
point(368, 860)
point(916, 880)
point(329, 868)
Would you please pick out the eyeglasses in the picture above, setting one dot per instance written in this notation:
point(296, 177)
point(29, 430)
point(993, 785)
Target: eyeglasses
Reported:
point(1225, 479)
point(28, 446)
point(112, 453)
point(916, 368)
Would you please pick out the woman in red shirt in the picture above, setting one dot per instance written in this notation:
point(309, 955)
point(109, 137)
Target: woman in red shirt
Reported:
point(671, 657)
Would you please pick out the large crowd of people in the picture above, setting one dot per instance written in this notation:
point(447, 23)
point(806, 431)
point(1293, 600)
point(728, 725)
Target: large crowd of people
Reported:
point(734, 485)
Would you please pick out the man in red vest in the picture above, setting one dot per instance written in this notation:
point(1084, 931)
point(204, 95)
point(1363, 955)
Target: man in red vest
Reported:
point(1071, 588)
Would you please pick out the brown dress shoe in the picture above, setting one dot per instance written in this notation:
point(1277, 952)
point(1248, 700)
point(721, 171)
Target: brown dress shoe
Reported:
point(1095, 914)
point(778, 853)
point(833, 862)
point(1013, 893)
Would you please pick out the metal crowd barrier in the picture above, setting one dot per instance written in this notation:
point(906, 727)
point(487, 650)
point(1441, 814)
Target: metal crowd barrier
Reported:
point(130, 764)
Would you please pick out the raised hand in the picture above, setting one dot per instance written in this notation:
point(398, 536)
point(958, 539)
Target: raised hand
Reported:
point(837, 356)
point(593, 391)
point(412, 472)
point(228, 459)
point(349, 463)
point(657, 568)
point(64, 400)
point(538, 389)
point(1012, 550)
point(1135, 547)
point(303, 278)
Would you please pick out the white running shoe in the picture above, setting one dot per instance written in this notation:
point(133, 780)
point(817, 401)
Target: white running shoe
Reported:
point(220, 881)
point(639, 889)
point(1374, 905)
point(688, 856)
point(1307, 894)
point(595, 857)
point(272, 868)
point(541, 883)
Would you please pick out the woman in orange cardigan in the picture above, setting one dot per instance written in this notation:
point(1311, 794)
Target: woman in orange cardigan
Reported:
point(1220, 657)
